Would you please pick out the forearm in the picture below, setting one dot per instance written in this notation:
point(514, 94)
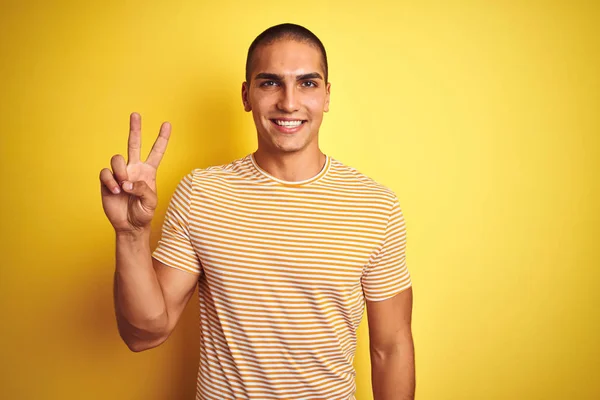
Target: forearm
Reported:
point(393, 372)
point(139, 301)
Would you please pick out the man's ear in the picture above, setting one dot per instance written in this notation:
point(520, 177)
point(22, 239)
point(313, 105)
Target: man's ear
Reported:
point(245, 101)
point(327, 96)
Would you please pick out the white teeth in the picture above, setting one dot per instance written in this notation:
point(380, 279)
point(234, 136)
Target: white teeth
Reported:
point(291, 124)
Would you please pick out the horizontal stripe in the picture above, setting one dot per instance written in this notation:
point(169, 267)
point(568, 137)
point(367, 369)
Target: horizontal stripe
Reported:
point(284, 270)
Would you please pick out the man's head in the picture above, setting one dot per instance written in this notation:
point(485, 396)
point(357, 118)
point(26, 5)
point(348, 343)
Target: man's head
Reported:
point(286, 88)
point(292, 32)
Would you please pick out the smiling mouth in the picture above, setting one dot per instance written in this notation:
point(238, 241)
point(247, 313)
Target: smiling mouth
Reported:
point(288, 123)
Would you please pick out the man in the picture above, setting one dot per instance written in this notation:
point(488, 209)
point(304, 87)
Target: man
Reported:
point(287, 246)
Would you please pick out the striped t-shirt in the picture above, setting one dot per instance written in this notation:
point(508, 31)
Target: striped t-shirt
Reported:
point(284, 269)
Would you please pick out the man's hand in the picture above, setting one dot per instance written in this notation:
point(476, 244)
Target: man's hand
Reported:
point(129, 190)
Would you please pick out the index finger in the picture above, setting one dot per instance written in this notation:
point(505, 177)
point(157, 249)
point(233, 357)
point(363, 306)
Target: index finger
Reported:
point(160, 145)
point(134, 144)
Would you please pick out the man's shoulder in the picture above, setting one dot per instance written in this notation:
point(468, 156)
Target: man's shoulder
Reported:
point(350, 177)
point(229, 170)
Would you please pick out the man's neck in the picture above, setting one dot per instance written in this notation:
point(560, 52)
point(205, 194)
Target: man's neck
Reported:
point(291, 167)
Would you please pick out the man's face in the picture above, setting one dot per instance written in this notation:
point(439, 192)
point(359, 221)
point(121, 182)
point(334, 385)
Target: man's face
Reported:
point(287, 95)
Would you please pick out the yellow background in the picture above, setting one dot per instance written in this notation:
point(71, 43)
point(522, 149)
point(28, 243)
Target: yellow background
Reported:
point(482, 116)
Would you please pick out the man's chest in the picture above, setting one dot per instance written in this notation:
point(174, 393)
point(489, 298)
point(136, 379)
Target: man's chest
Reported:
point(245, 237)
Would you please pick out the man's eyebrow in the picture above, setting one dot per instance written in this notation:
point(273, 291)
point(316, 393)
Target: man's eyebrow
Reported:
point(266, 75)
point(312, 75)
point(276, 77)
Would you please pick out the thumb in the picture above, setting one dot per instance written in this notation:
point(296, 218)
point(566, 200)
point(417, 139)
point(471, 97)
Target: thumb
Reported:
point(141, 189)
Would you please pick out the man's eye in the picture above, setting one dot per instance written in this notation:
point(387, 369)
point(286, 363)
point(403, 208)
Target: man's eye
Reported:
point(309, 84)
point(268, 83)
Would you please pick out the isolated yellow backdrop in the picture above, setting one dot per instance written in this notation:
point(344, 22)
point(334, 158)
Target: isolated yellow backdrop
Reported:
point(482, 116)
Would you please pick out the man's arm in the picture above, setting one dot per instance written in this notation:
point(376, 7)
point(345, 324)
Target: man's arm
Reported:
point(149, 296)
point(391, 347)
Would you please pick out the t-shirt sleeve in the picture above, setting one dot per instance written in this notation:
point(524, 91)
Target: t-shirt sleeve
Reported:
point(386, 274)
point(175, 247)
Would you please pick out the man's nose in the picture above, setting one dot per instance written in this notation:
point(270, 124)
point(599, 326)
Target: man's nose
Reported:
point(288, 101)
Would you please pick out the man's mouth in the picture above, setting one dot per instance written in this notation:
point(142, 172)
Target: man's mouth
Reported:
point(289, 123)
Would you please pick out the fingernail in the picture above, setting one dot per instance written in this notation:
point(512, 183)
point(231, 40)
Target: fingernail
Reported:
point(116, 190)
point(127, 185)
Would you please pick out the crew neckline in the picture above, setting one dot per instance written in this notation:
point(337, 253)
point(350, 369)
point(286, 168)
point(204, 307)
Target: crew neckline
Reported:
point(315, 178)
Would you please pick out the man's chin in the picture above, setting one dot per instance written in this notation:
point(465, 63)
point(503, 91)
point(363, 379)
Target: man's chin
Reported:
point(287, 147)
point(282, 143)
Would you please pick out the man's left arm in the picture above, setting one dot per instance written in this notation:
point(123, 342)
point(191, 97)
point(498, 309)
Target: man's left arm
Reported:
point(391, 347)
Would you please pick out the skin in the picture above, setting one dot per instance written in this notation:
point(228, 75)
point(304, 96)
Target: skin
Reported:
point(392, 347)
point(286, 83)
point(129, 199)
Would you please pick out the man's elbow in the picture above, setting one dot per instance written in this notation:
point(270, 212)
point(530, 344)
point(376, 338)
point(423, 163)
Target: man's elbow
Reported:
point(138, 346)
point(381, 354)
point(402, 345)
point(140, 339)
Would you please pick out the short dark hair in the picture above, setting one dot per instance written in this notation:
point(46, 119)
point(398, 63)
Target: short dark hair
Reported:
point(286, 31)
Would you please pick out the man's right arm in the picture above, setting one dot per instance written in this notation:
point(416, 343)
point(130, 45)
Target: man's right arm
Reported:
point(149, 296)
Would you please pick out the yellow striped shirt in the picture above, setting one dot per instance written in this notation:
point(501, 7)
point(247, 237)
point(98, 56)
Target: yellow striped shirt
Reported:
point(284, 269)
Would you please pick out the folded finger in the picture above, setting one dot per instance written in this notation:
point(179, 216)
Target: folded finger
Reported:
point(108, 181)
point(119, 167)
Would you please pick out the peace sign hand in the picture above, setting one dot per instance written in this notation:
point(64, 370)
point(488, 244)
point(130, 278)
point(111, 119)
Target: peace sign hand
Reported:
point(129, 190)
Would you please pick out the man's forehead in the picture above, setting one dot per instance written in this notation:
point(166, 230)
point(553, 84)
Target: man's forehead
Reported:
point(287, 57)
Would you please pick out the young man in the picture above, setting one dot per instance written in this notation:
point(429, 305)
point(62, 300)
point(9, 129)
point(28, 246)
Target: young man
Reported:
point(287, 246)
